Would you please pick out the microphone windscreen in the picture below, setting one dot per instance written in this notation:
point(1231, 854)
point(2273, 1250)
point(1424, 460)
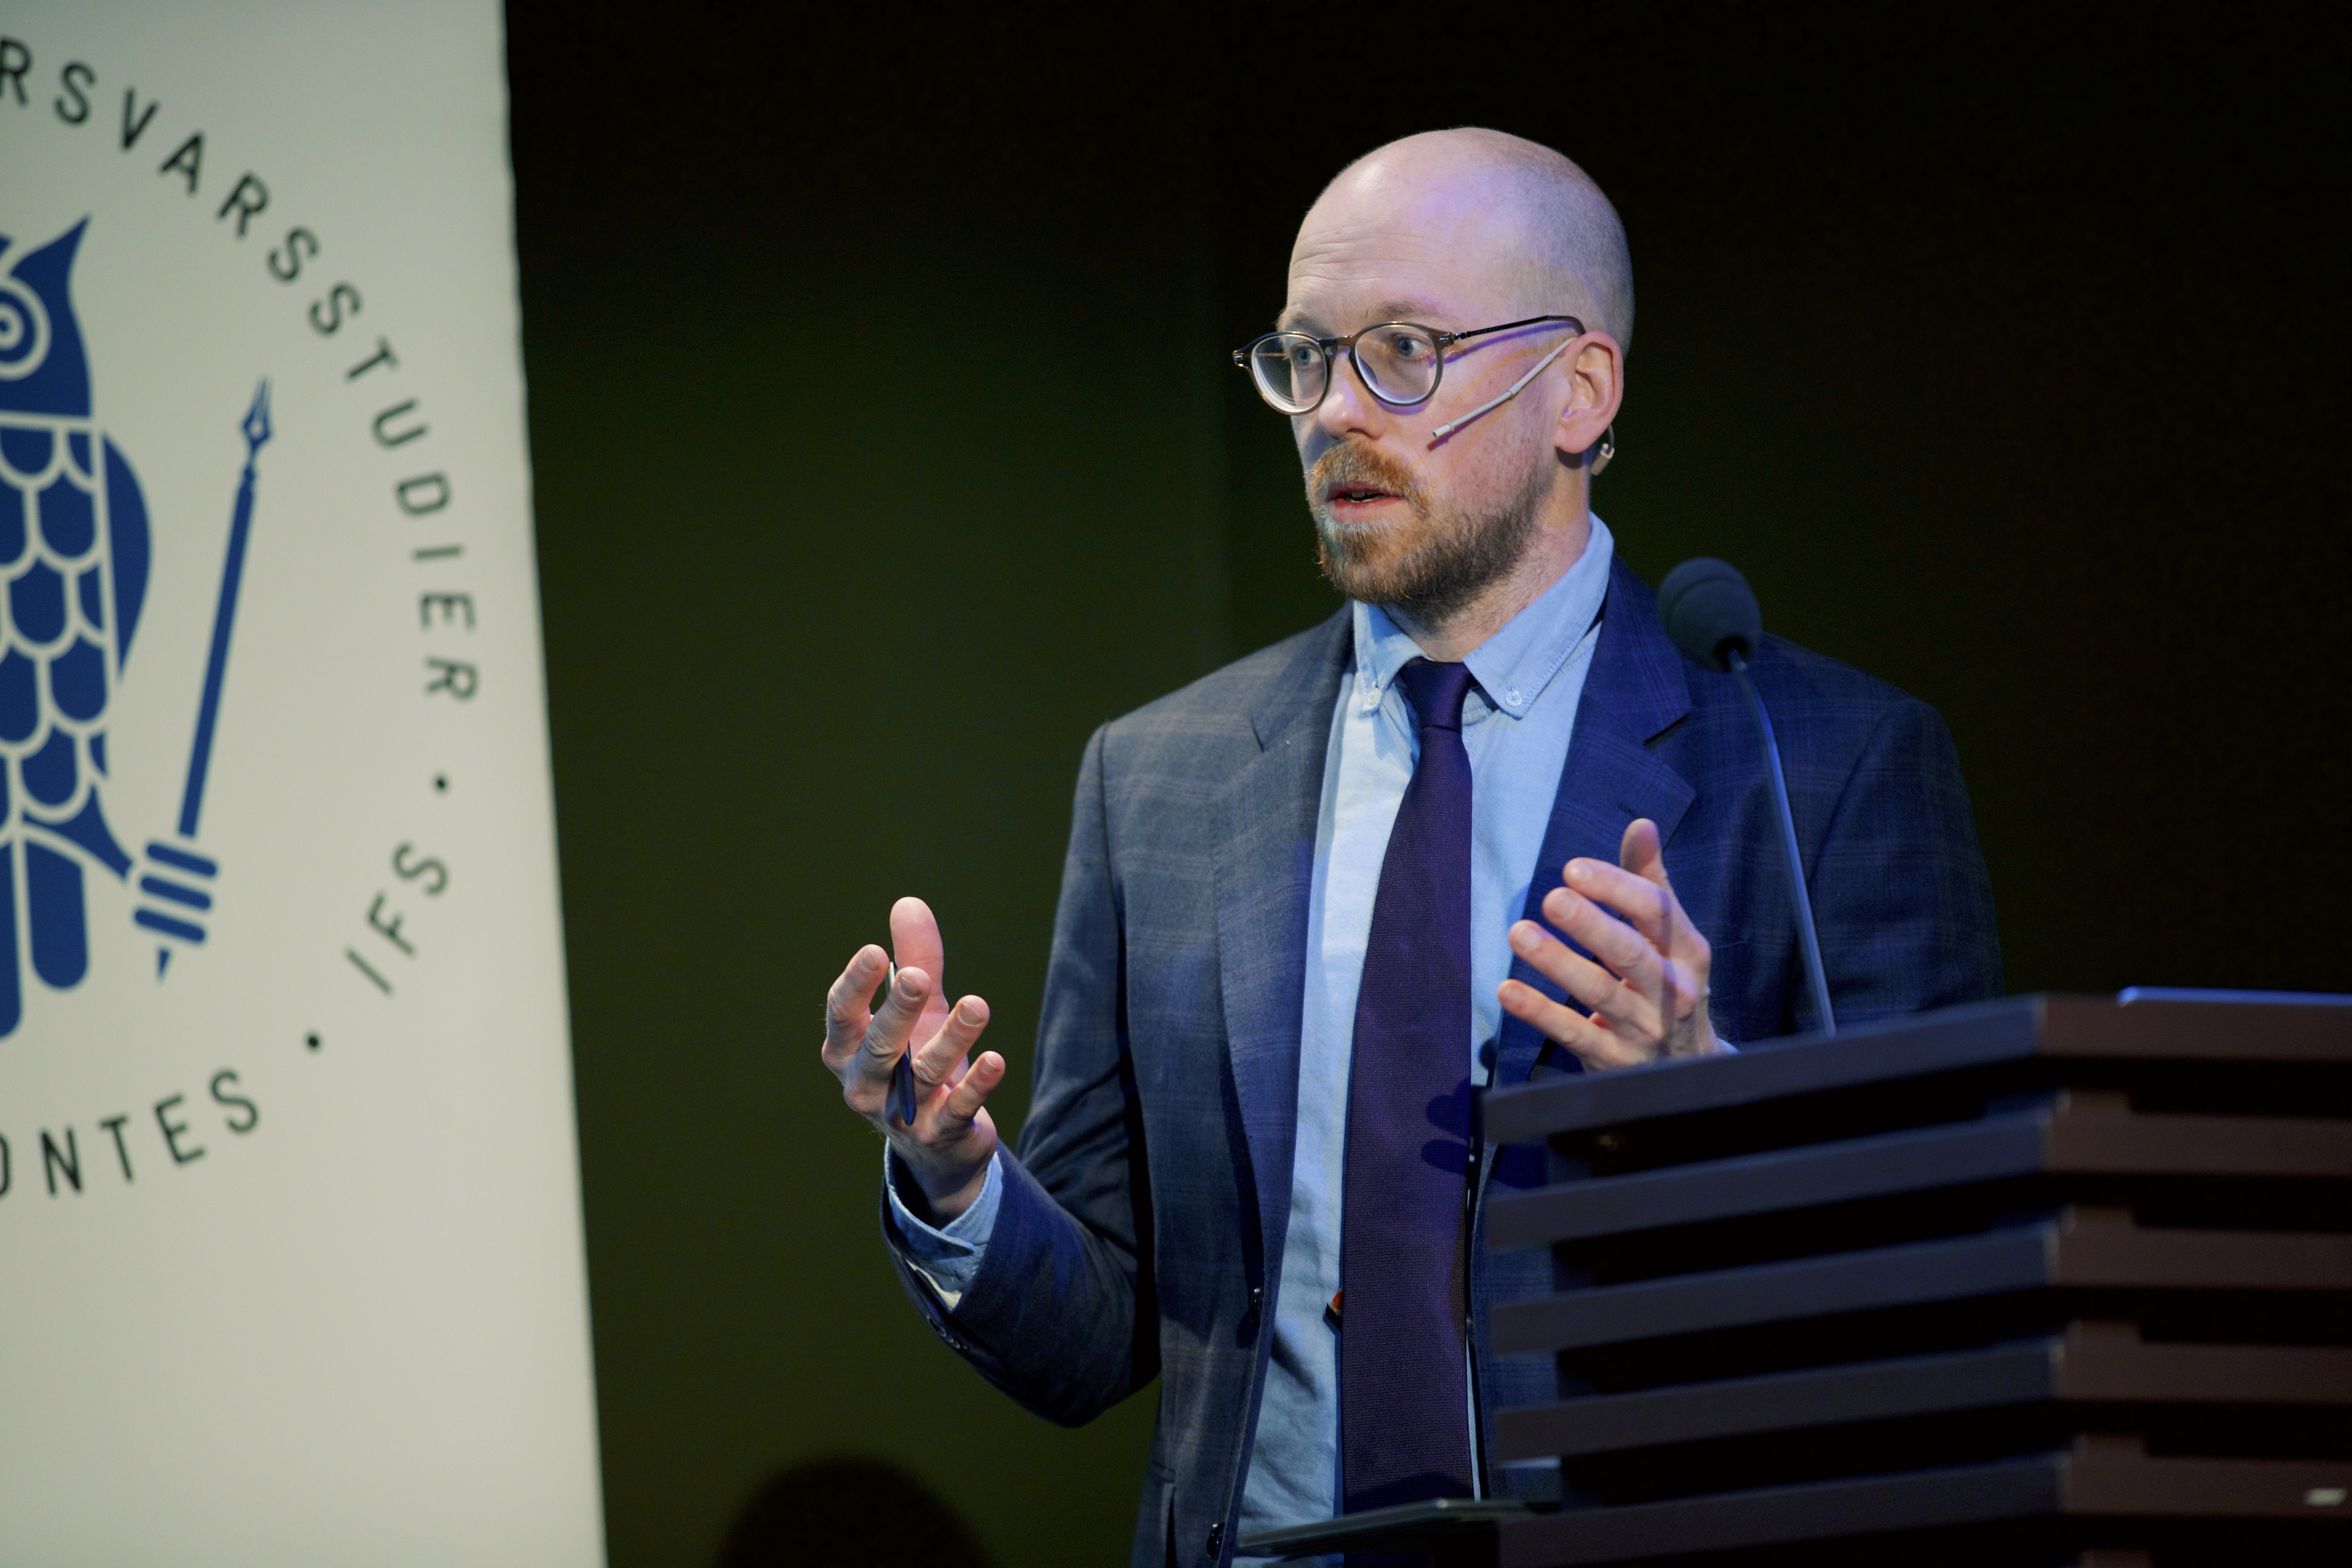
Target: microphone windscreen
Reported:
point(1707, 607)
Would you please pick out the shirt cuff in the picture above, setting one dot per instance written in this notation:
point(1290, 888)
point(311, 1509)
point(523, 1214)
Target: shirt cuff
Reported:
point(947, 1258)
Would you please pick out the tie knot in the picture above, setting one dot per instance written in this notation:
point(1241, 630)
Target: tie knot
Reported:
point(1436, 692)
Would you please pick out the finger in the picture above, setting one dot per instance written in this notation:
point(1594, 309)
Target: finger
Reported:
point(1595, 1045)
point(1642, 854)
point(847, 1005)
point(887, 1035)
point(1672, 975)
point(938, 1058)
point(915, 940)
point(1642, 903)
point(1621, 946)
point(963, 1103)
point(1621, 1002)
point(1649, 904)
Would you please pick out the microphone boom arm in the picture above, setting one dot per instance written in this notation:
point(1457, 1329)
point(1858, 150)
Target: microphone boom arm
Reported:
point(1816, 979)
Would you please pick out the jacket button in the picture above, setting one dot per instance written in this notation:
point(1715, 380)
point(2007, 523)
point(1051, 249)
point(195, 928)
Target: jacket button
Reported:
point(1216, 1537)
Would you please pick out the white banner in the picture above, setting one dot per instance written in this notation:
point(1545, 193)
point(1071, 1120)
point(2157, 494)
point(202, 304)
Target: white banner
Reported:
point(291, 1255)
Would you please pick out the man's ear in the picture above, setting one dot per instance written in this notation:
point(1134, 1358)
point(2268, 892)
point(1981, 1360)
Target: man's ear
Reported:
point(1598, 388)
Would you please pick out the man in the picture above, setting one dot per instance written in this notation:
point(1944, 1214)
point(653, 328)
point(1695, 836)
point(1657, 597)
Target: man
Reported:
point(1287, 952)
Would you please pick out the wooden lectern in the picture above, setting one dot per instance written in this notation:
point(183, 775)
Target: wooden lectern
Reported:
point(2051, 1281)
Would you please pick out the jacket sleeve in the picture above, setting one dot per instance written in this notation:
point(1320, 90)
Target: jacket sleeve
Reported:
point(1900, 892)
point(1059, 1315)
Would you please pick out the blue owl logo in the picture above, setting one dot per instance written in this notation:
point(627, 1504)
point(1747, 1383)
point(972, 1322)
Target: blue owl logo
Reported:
point(75, 551)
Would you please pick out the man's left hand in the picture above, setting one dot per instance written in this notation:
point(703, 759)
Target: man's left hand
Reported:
point(1648, 994)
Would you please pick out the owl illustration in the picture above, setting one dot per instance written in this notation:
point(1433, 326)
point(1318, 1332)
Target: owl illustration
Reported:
point(74, 557)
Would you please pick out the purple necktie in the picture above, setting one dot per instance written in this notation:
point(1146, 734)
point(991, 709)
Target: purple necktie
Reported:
point(1403, 1401)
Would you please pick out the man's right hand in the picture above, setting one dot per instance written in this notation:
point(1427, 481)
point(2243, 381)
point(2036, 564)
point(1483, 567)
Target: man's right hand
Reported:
point(948, 1148)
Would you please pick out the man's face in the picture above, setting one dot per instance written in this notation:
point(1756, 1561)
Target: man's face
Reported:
point(1403, 520)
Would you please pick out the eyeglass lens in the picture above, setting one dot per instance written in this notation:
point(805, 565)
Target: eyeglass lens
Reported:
point(1291, 371)
point(1399, 363)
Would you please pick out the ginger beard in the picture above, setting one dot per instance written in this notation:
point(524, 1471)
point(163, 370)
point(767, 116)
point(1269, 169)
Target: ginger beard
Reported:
point(1428, 565)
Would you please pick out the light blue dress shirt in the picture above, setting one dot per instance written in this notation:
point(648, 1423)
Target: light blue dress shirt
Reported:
point(1516, 726)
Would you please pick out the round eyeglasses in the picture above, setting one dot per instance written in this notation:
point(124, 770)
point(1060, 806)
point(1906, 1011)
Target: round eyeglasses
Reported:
point(1399, 362)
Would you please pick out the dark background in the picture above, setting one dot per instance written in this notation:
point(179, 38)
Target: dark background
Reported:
point(885, 445)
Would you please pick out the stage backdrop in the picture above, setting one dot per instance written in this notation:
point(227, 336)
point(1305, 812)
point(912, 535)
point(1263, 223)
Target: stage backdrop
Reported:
point(289, 1222)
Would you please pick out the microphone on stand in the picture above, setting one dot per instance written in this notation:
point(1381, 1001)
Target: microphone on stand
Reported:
point(1710, 614)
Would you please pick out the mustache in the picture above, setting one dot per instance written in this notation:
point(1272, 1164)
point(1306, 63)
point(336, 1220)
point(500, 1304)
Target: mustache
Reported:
point(1349, 464)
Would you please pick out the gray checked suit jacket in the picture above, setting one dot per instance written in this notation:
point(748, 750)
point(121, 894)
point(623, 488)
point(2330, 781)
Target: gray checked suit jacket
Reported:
point(1143, 1221)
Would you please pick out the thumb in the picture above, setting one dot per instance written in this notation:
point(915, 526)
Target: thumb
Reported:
point(1639, 851)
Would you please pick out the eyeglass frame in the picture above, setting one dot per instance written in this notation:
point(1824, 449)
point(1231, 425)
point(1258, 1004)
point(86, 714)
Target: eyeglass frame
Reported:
point(1329, 347)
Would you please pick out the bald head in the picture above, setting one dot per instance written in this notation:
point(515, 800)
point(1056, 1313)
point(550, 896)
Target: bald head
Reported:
point(1535, 223)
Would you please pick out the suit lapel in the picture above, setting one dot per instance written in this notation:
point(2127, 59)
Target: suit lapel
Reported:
point(1264, 873)
point(1635, 692)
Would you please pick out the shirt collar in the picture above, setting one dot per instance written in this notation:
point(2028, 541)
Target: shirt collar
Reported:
point(1514, 665)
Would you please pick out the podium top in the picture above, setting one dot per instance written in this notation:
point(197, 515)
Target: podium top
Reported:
point(1404, 1528)
point(2143, 1024)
